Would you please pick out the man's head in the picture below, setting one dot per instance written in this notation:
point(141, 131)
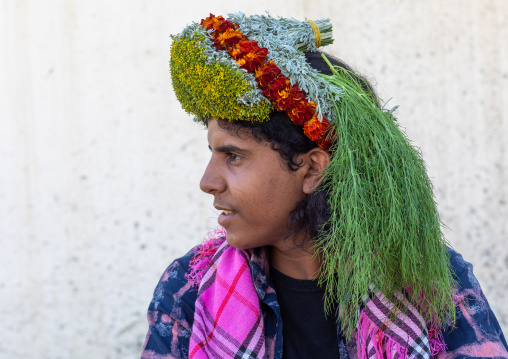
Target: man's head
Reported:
point(254, 187)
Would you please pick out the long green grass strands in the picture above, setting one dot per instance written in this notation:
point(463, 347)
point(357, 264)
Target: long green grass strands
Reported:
point(384, 228)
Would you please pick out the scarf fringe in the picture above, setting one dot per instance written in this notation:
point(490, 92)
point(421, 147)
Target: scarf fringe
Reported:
point(384, 345)
point(203, 255)
point(436, 341)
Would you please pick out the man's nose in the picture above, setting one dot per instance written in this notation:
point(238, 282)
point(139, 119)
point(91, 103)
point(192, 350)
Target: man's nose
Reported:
point(212, 181)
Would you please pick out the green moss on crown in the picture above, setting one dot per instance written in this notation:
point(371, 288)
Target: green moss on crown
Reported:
point(210, 89)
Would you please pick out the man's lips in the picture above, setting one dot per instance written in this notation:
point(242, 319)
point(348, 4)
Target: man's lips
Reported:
point(226, 215)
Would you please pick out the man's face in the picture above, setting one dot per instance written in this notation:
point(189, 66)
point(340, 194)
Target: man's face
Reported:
point(253, 189)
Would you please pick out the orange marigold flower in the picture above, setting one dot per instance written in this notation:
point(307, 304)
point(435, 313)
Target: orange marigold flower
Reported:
point(247, 46)
point(297, 94)
point(311, 109)
point(212, 22)
point(285, 98)
point(314, 129)
point(299, 113)
point(284, 95)
point(266, 73)
point(279, 83)
point(286, 102)
point(236, 52)
point(250, 62)
point(278, 106)
point(249, 55)
point(227, 25)
point(228, 38)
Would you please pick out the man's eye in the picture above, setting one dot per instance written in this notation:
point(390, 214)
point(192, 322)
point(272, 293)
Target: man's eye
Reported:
point(233, 157)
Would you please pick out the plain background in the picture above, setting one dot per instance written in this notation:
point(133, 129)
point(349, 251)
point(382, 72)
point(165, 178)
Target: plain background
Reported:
point(99, 166)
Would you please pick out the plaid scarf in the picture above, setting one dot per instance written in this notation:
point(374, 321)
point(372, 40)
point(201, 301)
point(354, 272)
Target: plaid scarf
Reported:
point(228, 322)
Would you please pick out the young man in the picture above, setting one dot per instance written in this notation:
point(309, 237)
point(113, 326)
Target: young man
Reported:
point(330, 243)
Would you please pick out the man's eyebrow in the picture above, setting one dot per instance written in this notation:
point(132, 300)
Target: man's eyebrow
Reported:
point(228, 148)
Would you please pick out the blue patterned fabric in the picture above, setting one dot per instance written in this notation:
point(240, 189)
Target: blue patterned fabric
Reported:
point(477, 333)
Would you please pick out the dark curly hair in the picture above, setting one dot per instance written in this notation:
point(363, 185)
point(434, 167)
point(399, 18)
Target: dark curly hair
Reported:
point(312, 212)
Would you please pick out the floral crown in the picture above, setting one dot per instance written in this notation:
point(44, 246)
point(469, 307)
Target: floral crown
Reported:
point(243, 69)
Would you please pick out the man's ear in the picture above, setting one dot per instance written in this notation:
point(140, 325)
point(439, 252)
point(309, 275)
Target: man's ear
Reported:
point(316, 161)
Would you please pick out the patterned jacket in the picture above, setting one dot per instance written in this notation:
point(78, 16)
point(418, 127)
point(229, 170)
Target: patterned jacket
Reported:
point(477, 333)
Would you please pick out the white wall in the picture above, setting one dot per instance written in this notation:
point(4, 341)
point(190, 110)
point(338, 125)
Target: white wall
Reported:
point(99, 166)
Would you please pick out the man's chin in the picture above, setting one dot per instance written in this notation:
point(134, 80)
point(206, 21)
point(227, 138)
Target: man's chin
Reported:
point(236, 242)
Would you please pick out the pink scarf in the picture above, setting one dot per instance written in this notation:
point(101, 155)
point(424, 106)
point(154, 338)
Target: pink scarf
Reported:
point(228, 321)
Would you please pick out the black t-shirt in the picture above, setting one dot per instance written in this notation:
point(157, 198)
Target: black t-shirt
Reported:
point(306, 331)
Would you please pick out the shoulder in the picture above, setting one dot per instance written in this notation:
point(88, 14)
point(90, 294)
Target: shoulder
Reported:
point(463, 270)
point(476, 333)
point(171, 311)
point(175, 294)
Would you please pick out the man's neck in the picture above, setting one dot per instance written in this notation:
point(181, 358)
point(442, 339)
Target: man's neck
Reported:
point(295, 262)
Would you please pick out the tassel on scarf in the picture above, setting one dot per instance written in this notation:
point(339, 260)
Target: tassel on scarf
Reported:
point(374, 343)
point(203, 255)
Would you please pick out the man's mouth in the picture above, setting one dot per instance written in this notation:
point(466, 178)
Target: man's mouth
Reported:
point(225, 211)
point(225, 216)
